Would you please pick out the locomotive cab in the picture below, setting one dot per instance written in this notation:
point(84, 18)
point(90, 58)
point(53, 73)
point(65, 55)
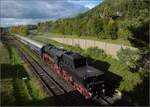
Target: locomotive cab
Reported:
point(72, 61)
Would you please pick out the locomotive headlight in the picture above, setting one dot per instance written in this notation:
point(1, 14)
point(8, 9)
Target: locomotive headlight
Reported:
point(103, 85)
point(103, 91)
point(90, 88)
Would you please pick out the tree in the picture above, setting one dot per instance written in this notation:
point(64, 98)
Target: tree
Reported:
point(124, 33)
point(111, 29)
point(22, 30)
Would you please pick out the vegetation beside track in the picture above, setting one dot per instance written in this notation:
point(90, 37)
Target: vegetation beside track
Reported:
point(119, 41)
point(18, 87)
point(132, 83)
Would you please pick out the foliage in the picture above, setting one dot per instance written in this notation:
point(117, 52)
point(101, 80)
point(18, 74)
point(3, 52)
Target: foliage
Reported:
point(124, 33)
point(111, 29)
point(4, 54)
point(96, 52)
point(129, 57)
point(21, 30)
point(44, 27)
point(140, 31)
point(6, 88)
point(35, 89)
point(21, 92)
point(103, 21)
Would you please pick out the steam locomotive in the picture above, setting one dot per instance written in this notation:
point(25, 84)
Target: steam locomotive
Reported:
point(73, 67)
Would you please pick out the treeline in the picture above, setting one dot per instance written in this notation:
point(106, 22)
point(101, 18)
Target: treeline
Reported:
point(23, 30)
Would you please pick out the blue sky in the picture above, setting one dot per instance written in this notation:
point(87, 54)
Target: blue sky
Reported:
point(15, 12)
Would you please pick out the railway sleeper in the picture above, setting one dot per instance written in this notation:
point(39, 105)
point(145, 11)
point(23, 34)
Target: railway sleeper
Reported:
point(57, 90)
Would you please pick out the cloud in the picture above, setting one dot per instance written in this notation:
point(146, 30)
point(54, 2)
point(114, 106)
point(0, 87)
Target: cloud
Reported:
point(39, 9)
point(14, 12)
point(90, 6)
point(86, 3)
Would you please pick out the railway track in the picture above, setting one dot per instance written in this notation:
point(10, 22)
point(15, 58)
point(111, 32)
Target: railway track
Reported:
point(52, 87)
point(65, 86)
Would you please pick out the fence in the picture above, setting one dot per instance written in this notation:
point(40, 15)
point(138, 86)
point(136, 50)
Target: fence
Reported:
point(109, 48)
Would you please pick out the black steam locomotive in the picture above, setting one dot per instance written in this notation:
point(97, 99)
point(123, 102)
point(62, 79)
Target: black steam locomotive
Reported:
point(74, 68)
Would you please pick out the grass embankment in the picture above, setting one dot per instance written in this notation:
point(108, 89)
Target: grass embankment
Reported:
point(117, 41)
point(17, 86)
point(131, 84)
point(6, 83)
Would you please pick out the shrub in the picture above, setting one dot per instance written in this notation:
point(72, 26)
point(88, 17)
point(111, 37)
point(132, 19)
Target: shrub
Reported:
point(21, 30)
point(111, 29)
point(77, 48)
point(102, 35)
point(95, 52)
point(35, 89)
point(21, 92)
point(124, 33)
point(129, 57)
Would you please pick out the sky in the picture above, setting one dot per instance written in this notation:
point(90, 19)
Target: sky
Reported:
point(16, 12)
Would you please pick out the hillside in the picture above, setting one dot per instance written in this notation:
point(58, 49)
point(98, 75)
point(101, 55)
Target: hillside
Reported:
point(111, 19)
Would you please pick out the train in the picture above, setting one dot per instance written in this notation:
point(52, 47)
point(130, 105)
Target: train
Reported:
point(73, 67)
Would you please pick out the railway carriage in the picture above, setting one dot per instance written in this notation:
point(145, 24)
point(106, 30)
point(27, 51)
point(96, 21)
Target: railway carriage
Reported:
point(34, 45)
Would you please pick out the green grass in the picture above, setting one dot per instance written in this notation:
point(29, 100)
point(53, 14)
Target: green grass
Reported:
point(117, 41)
point(4, 55)
point(21, 92)
point(15, 90)
point(35, 90)
point(6, 91)
point(6, 88)
point(130, 81)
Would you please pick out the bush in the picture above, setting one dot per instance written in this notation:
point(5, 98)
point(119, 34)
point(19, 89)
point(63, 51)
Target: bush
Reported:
point(21, 30)
point(111, 29)
point(35, 89)
point(77, 48)
point(102, 35)
point(124, 33)
point(21, 92)
point(96, 52)
point(129, 57)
